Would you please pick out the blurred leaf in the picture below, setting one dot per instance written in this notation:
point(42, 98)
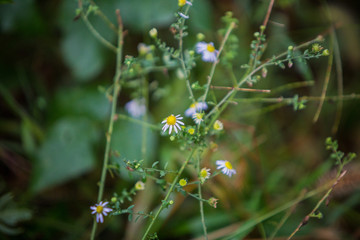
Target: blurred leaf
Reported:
point(142, 15)
point(86, 102)
point(21, 16)
point(82, 52)
point(10, 215)
point(66, 153)
point(203, 21)
point(127, 140)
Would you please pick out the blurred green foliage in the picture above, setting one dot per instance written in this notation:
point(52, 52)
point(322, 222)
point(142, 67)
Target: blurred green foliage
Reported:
point(53, 118)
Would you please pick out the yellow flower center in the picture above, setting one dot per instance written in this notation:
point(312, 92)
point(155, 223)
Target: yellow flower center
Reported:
point(203, 173)
point(171, 120)
point(191, 131)
point(182, 182)
point(192, 105)
point(181, 3)
point(210, 48)
point(228, 165)
point(99, 209)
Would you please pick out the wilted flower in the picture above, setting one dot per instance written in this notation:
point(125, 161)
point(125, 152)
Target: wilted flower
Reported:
point(225, 167)
point(100, 210)
point(212, 202)
point(207, 50)
point(172, 122)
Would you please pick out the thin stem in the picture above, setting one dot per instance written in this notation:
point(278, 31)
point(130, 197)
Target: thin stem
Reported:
point(339, 175)
point(268, 12)
point(327, 78)
point(145, 94)
point(241, 89)
point(340, 80)
point(137, 121)
point(201, 202)
point(96, 34)
point(181, 58)
point(212, 71)
point(253, 222)
point(168, 193)
point(305, 98)
point(104, 17)
point(116, 92)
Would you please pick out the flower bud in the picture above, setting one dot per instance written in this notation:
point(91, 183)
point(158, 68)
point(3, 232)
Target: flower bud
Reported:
point(153, 33)
point(200, 36)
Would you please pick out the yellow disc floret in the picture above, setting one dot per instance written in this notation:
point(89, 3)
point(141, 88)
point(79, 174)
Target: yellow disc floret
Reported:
point(171, 120)
point(210, 48)
point(181, 3)
point(99, 209)
point(228, 165)
point(203, 173)
point(182, 182)
point(191, 131)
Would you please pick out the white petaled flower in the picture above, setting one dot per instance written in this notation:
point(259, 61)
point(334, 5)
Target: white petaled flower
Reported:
point(183, 15)
point(225, 167)
point(204, 174)
point(172, 122)
point(198, 117)
point(100, 210)
point(182, 3)
point(207, 50)
point(196, 107)
point(136, 108)
point(218, 126)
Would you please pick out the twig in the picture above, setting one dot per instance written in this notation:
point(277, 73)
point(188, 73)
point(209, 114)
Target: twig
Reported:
point(116, 92)
point(307, 217)
point(339, 77)
point(268, 12)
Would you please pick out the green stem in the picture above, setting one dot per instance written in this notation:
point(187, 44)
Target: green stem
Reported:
point(212, 71)
point(168, 193)
point(137, 121)
point(97, 35)
point(201, 202)
point(116, 92)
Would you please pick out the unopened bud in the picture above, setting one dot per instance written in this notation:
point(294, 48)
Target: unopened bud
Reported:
point(153, 33)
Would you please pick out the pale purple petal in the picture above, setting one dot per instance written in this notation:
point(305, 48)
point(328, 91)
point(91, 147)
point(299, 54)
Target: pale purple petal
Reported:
point(201, 47)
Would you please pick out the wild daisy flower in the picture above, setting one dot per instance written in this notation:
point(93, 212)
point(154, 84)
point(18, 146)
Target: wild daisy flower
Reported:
point(139, 185)
point(136, 108)
point(218, 126)
point(183, 182)
point(204, 174)
point(183, 15)
point(196, 107)
point(207, 50)
point(172, 122)
point(100, 210)
point(225, 167)
point(182, 3)
point(198, 117)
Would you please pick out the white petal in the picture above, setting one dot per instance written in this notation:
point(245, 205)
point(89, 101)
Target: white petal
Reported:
point(164, 121)
point(93, 208)
point(175, 128)
point(179, 122)
point(200, 47)
point(170, 129)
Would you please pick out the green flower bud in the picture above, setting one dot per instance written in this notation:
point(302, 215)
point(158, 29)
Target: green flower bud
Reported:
point(153, 33)
point(200, 36)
